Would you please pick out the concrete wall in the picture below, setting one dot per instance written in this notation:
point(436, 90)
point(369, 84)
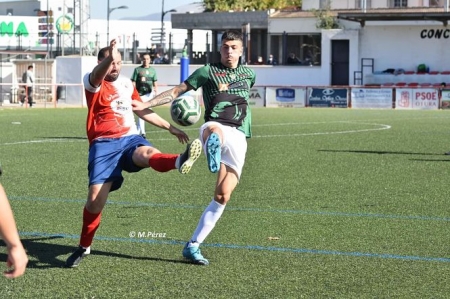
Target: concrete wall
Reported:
point(404, 47)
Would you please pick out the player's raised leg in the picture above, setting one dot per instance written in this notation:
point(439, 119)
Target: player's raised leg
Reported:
point(186, 160)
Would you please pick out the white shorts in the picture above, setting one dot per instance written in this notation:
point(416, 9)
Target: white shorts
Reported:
point(147, 97)
point(234, 146)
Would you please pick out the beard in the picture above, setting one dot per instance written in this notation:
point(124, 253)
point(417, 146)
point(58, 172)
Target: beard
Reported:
point(112, 77)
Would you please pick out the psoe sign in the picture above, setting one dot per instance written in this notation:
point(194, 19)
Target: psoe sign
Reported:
point(9, 29)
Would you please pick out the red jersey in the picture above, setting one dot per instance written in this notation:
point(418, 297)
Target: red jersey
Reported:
point(110, 113)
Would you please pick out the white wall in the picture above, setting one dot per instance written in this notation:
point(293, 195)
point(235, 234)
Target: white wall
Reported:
point(354, 44)
point(292, 25)
point(70, 70)
point(403, 47)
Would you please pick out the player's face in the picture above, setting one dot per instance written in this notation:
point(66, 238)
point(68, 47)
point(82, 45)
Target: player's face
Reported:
point(146, 60)
point(230, 51)
point(114, 69)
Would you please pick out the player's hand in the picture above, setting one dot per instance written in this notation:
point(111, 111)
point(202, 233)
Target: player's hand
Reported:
point(182, 136)
point(113, 51)
point(17, 262)
point(137, 105)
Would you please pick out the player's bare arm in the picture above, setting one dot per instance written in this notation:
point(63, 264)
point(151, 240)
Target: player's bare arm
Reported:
point(101, 70)
point(152, 118)
point(165, 97)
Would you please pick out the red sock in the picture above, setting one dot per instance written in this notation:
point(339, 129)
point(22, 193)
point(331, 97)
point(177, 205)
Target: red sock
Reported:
point(162, 162)
point(90, 224)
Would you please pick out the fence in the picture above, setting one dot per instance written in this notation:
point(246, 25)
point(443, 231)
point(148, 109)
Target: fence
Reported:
point(417, 98)
point(43, 95)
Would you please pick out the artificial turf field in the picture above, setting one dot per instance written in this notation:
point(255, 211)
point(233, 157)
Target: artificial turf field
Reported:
point(333, 203)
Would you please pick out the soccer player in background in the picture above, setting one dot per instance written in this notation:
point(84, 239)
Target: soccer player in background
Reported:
point(226, 89)
point(17, 258)
point(114, 142)
point(144, 79)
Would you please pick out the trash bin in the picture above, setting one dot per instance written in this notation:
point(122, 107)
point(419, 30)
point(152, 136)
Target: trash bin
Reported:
point(61, 93)
point(14, 91)
point(6, 99)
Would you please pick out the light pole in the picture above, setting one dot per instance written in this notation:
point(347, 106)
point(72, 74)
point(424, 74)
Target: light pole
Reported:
point(163, 13)
point(110, 10)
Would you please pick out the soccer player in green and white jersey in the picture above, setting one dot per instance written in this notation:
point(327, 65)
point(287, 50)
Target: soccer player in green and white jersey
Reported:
point(226, 89)
point(144, 79)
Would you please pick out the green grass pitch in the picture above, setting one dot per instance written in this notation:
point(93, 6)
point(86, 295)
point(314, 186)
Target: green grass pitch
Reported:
point(332, 203)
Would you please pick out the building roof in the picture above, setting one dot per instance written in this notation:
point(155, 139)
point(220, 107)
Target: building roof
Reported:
point(220, 20)
point(259, 19)
point(406, 14)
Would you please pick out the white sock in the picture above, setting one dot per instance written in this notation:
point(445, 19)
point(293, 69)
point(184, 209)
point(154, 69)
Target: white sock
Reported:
point(207, 222)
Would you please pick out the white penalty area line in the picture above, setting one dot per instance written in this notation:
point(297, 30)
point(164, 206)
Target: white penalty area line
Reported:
point(378, 127)
point(45, 141)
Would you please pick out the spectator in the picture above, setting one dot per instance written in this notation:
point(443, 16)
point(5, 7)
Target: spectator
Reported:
point(259, 61)
point(271, 60)
point(292, 59)
point(28, 80)
point(166, 59)
point(158, 59)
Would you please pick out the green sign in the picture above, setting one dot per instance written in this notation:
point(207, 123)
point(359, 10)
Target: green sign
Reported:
point(64, 24)
point(8, 29)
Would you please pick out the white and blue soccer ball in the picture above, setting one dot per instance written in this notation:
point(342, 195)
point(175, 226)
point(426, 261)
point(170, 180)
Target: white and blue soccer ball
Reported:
point(185, 110)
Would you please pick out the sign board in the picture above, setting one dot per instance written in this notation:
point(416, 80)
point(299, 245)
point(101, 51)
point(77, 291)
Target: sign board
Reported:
point(327, 97)
point(257, 97)
point(285, 97)
point(445, 99)
point(418, 99)
point(379, 98)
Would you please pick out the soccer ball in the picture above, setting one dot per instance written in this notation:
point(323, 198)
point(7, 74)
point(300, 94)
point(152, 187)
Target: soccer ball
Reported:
point(185, 110)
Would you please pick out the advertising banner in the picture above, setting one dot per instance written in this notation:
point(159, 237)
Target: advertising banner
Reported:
point(257, 96)
point(327, 97)
point(445, 99)
point(285, 97)
point(418, 99)
point(379, 98)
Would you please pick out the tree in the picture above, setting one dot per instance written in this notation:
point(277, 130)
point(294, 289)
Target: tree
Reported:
point(246, 5)
point(325, 19)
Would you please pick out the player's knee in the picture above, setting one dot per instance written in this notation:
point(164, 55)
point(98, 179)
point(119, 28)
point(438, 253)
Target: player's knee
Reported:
point(222, 198)
point(94, 206)
point(212, 129)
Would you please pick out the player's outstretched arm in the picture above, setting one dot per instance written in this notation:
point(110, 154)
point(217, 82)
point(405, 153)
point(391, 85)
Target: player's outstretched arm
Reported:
point(17, 258)
point(164, 97)
point(156, 120)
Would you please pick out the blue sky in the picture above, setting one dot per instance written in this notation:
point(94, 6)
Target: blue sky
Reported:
point(137, 8)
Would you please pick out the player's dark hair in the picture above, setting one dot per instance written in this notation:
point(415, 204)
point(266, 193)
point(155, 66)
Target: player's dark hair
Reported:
point(102, 53)
point(30, 67)
point(232, 35)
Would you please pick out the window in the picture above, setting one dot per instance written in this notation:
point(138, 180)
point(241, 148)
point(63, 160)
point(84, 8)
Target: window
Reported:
point(358, 3)
point(302, 49)
point(398, 3)
point(436, 3)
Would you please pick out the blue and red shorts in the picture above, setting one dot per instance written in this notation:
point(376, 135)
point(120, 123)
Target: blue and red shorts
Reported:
point(108, 157)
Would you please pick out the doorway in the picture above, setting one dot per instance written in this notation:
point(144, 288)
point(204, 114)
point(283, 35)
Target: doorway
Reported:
point(340, 66)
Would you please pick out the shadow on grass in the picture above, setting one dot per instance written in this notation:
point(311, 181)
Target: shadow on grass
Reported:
point(45, 255)
point(382, 152)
